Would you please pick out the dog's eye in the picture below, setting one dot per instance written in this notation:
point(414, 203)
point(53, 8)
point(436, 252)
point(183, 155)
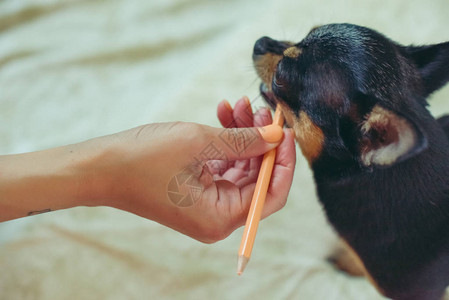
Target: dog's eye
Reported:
point(277, 82)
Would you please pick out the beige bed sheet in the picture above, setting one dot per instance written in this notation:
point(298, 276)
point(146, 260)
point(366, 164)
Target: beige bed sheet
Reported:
point(72, 70)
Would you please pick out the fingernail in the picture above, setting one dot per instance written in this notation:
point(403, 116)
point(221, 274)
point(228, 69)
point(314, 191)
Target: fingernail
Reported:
point(227, 105)
point(248, 104)
point(271, 133)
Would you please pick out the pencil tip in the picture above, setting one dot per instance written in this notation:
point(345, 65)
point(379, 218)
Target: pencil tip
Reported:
point(242, 262)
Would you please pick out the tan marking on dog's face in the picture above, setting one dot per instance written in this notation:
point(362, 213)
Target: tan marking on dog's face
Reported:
point(309, 136)
point(292, 52)
point(266, 66)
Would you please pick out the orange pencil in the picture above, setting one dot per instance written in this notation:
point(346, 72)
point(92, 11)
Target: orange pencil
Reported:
point(260, 193)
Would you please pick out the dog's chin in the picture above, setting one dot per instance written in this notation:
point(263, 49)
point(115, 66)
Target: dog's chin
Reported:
point(268, 95)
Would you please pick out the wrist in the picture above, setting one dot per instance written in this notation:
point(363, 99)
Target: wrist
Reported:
point(93, 168)
point(37, 182)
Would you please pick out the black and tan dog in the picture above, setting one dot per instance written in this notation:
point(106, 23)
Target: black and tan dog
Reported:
point(357, 103)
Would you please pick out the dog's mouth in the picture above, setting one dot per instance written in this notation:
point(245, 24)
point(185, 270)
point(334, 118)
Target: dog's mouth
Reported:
point(268, 95)
point(267, 53)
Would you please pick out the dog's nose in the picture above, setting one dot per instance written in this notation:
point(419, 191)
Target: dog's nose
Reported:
point(268, 45)
point(261, 46)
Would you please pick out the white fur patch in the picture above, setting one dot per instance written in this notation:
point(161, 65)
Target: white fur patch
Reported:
point(385, 121)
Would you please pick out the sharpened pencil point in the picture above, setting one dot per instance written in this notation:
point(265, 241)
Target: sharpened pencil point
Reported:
point(242, 262)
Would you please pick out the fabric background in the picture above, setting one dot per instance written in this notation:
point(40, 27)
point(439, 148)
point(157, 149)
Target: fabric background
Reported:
point(73, 70)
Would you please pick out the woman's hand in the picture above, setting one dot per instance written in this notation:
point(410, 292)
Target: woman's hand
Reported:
point(197, 179)
point(194, 178)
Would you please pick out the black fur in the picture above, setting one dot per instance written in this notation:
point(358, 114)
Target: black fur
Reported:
point(394, 215)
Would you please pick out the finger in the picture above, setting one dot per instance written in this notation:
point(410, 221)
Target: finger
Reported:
point(225, 114)
point(226, 118)
point(251, 174)
point(234, 201)
point(282, 175)
point(239, 143)
point(253, 165)
point(243, 113)
point(262, 117)
point(246, 195)
point(218, 167)
point(234, 175)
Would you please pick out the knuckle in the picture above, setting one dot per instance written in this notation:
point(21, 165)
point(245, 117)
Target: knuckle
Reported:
point(192, 133)
point(197, 132)
point(193, 128)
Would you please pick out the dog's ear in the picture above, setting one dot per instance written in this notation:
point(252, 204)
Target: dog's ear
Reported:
point(433, 64)
point(387, 137)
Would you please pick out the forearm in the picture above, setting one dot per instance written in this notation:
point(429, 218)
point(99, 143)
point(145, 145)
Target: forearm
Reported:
point(157, 171)
point(37, 182)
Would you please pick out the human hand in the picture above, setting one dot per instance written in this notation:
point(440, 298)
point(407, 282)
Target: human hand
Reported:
point(197, 179)
point(194, 178)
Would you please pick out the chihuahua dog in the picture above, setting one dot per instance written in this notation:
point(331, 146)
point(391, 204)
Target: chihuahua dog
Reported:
point(357, 103)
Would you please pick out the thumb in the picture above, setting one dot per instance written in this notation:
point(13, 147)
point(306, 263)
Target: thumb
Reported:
point(243, 143)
